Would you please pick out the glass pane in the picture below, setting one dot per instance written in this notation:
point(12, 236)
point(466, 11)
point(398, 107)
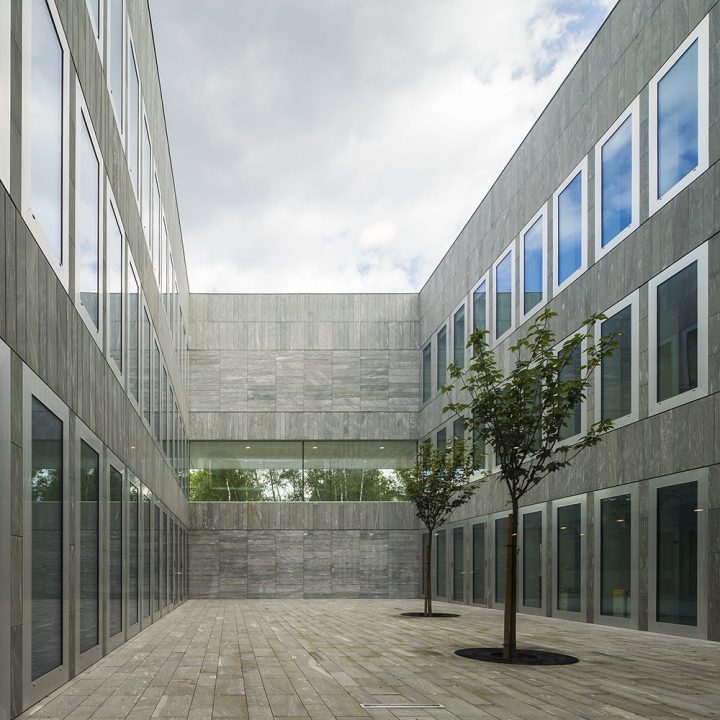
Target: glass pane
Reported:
point(441, 564)
point(47, 540)
point(478, 563)
point(427, 372)
point(615, 556)
point(133, 335)
point(133, 151)
point(532, 559)
point(616, 189)
point(616, 370)
point(163, 435)
point(480, 307)
point(89, 547)
point(503, 295)
point(156, 244)
point(458, 428)
point(569, 558)
point(677, 544)
point(573, 424)
point(133, 549)
point(115, 18)
point(533, 265)
point(156, 559)
point(442, 359)
point(146, 183)
point(46, 126)
point(115, 245)
point(678, 115)
point(459, 338)
point(166, 559)
point(87, 231)
point(94, 7)
point(146, 351)
point(458, 565)
point(501, 543)
point(422, 561)
point(115, 572)
point(156, 392)
point(677, 329)
point(146, 556)
point(441, 438)
point(478, 449)
point(570, 221)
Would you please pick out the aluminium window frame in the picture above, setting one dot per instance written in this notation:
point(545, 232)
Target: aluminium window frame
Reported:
point(513, 295)
point(112, 461)
point(60, 266)
point(542, 213)
point(131, 55)
point(110, 211)
point(632, 112)
point(5, 524)
point(554, 611)
point(700, 256)
point(444, 325)
point(491, 589)
point(633, 301)
point(98, 32)
point(484, 279)
point(484, 521)
point(462, 525)
point(120, 122)
point(5, 96)
point(131, 479)
point(584, 403)
point(701, 33)
point(462, 305)
point(581, 167)
point(522, 511)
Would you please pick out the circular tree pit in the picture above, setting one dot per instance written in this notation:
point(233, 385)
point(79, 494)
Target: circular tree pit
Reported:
point(523, 657)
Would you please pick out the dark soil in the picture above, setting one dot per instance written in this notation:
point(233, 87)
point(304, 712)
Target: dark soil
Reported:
point(524, 657)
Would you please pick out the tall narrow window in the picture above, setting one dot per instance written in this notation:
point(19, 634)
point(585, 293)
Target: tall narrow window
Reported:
point(156, 558)
point(532, 265)
point(615, 556)
point(147, 536)
point(478, 449)
point(532, 556)
point(157, 390)
point(133, 334)
point(504, 297)
point(501, 545)
point(47, 495)
point(146, 183)
point(441, 438)
point(479, 307)
point(478, 549)
point(115, 555)
point(441, 564)
point(116, 56)
point(133, 611)
point(89, 565)
point(570, 228)
point(427, 373)
point(570, 372)
point(156, 234)
point(146, 354)
point(115, 264)
point(95, 11)
point(442, 358)
point(87, 224)
point(458, 428)
point(164, 404)
point(459, 337)
point(569, 558)
point(458, 565)
point(133, 142)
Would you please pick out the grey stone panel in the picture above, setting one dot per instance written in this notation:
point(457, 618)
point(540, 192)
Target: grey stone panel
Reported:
point(317, 567)
point(261, 564)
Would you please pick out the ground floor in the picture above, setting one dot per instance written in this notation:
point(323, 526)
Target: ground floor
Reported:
point(331, 659)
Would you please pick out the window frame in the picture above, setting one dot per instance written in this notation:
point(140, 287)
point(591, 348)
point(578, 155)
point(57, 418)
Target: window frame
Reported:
point(699, 255)
point(130, 54)
point(541, 213)
point(427, 346)
point(701, 33)
point(120, 122)
point(443, 326)
point(491, 591)
point(513, 292)
point(633, 301)
point(598, 496)
point(632, 112)
point(112, 209)
point(555, 506)
point(5, 96)
point(35, 690)
point(111, 460)
point(581, 167)
point(5, 523)
point(583, 410)
point(461, 306)
point(61, 267)
point(98, 33)
point(700, 476)
point(131, 267)
point(463, 573)
point(484, 279)
point(437, 555)
point(529, 510)
point(131, 479)
point(483, 520)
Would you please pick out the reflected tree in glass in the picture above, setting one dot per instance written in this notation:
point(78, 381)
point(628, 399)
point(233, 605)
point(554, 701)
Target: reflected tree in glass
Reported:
point(89, 547)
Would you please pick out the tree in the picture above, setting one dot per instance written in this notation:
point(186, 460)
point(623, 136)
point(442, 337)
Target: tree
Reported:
point(437, 484)
point(527, 416)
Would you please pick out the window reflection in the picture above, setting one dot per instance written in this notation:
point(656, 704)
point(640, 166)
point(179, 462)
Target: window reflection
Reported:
point(533, 265)
point(441, 564)
point(146, 556)
point(133, 151)
point(480, 307)
point(569, 558)
point(503, 295)
point(459, 338)
point(89, 547)
point(427, 372)
point(616, 369)
point(115, 244)
point(133, 610)
point(569, 233)
point(572, 371)
point(458, 564)
point(501, 546)
point(442, 358)
point(115, 21)
point(478, 549)
point(115, 571)
point(615, 556)
point(616, 185)
point(532, 559)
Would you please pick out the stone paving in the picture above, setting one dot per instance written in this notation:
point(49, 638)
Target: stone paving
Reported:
point(324, 659)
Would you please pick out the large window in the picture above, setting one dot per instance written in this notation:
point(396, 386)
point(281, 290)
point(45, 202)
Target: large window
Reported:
point(533, 241)
point(441, 360)
point(678, 345)
point(616, 381)
point(532, 558)
point(615, 556)
point(617, 181)
point(501, 547)
point(45, 131)
point(568, 557)
point(5, 13)
point(157, 539)
point(116, 56)
point(459, 337)
point(133, 606)
point(427, 373)
point(156, 224)
point(133, 322)
point(441, 565)
point(115, 551)
point(458, 564)
point(570, 228)
point(478, 563)
point(678, 118)
point(146, 355)
point(133, 140)
point(115, 264)
point(504, 276)
point(147, 175)
point(146, 520)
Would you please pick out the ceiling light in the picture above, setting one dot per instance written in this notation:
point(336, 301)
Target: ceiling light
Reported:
point(382, 447)
point(247, 447)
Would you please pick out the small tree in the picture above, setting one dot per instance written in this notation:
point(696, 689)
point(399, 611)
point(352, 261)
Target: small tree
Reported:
point(438, 483)
point(524, 416)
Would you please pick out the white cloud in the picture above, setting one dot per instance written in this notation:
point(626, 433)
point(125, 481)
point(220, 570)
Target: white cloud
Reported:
point(341, 146)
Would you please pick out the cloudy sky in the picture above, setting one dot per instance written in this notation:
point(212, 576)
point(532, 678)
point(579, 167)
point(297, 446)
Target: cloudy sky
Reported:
point(341, 145)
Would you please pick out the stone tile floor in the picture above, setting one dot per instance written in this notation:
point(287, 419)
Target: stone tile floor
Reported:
point(321, 659)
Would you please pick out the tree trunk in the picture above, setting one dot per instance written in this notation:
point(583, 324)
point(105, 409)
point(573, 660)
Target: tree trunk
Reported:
point(510, 625)
point(428, 576)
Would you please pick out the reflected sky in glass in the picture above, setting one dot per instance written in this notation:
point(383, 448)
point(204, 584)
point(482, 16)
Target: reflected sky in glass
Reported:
point(503, 295)
point(133, 121)
point(46, 126)
point(677, 111)
point(617, 182)
point(442, 359)
point(570, 229)
point(87, 230)
point(114, 288)
point(115, 8)
point(479, 307)
point(533, 265)
point(459, 338)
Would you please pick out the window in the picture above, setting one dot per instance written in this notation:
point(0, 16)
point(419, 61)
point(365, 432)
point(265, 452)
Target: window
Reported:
point(572, 370)
point(504, 275)
point(568, 556)
point(617, 379)
point(441, 565)
point(427, 373)
point(615, 560)
point(164, 405)
point(617, 181)
point(166, 559)
point(501, 545)
point(146, 374)
point(115, 550)
point(157, 392)
point(478, 550)
point(147, 535)
point(458, 565)
point(88, 222)
point(133, 608)
point(146, 183)
point(116, 57)
point(157, 535)
point(459, 337)
point(45, 151)
point(5, 521)
point(677, 329)
point(480, 306)
point(115, 264)
point(458, 428)
point(479, 452)
point(441, 438)
point(156, 234)
point(441, 362)
point(678, 119)
point(5, 92)
point(133, 322)
point(133, 141)
point(533, 244)
point(531, 531)
point(570, 228)
point(95, 11)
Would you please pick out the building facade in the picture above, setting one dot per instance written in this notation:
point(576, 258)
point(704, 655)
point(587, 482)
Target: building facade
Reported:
point(116, 382)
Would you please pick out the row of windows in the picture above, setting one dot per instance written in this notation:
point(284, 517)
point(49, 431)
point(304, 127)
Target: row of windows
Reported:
point(99, 232)
point(129, 548)
point(678, 154)
point(676, 552)
point(677, 330)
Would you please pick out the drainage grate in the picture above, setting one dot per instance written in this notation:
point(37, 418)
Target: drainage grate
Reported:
point(409, 706)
